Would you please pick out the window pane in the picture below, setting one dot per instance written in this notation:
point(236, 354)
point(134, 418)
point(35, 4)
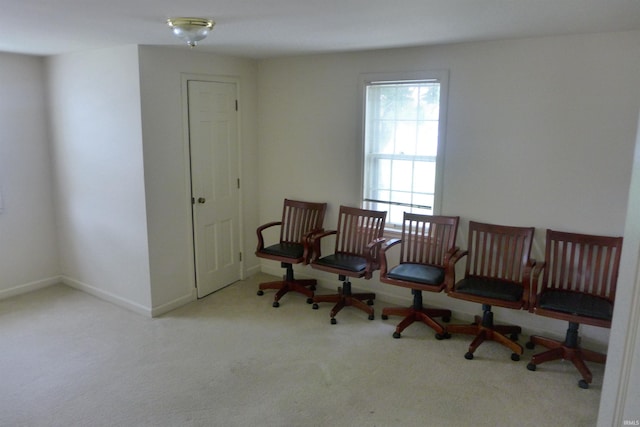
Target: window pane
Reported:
point(395, 214)
point(427, 138)
point(430, 101)
point(423, 200)
point(401, 146)
point(406, 137)
point(407, 98)
point(424, 177)
point(402, 177)
point(382, 177)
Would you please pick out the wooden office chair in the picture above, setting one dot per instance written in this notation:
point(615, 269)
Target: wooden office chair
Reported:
point(357, 245)
point(497, 264)
point(426, 245)
point(578, 284)
point(299, 221)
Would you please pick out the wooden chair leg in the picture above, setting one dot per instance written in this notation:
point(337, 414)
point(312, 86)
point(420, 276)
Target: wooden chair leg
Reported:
point(396, 311)
point(593, 356)
point(359, 304)
point(336, 308)
point(471, 329)
point(515, 348)
point(479, 339)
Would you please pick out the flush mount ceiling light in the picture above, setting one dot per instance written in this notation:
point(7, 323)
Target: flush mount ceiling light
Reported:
point(191, 30)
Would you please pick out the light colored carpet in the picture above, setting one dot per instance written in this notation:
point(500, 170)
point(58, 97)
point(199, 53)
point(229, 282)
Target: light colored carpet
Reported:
point(69, 359)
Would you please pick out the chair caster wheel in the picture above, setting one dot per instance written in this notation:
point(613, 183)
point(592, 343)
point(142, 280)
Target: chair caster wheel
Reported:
point(276, 304)
point(513, 337)
point(583, 384)
point(444, 336)
point(530, 345)
point(314, 306)
point(531, 367)
point(397, 335)
point(260, 292)
point(370, 302)
point(384, 317)
point(371, 317)
point(333, 321)
point(446, 319)
point(468, 356)
point(309, 300)
point(515, 357)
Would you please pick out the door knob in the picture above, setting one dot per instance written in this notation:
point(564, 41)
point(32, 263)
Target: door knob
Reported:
point(201, 200)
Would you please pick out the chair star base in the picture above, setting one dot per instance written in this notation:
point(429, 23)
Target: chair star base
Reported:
point(345, 298)
point(485, 330)
point(566, 350)
point(417, 313)
point(287, 284)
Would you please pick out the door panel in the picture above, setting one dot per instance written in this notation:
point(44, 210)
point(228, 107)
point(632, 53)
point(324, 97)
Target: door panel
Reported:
point(215, 192)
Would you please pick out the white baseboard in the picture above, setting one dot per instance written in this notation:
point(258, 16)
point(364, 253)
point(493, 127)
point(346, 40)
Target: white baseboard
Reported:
point(107, 296)
point(171, 305)
point(29, 287)
point(251, 271)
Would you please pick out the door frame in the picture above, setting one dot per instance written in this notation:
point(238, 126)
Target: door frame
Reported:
point(184, 79)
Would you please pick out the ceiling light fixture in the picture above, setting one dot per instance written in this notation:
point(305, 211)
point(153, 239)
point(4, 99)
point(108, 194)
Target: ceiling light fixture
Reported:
point(191, 30)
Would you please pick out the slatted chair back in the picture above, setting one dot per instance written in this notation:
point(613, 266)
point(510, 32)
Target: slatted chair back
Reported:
point(427, 239)
point(582, 263)
point(357, 228)
point(498, 251)
point(299, 218)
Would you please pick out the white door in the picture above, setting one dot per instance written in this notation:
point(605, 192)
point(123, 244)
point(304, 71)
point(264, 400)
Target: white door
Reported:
point(213, 139)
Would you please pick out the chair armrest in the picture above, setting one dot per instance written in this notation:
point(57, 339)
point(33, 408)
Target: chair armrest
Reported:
point(314, 243)
point(450, 268)
point(259, 231)
point(308, 244)
point(373, 256)
point(383, 254)
point(534, 282)
point(526, 282)
point(450, 254)
point(389, 243)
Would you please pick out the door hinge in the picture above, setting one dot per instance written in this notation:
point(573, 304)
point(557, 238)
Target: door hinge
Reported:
point(240, 254)
point(238, 182)
point(236, 105)
point(193, 200)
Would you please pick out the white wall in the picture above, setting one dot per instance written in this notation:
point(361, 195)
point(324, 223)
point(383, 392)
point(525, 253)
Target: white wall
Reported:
point(99, 174)
point(168, 195)
point(540, 133)
point(28, 255)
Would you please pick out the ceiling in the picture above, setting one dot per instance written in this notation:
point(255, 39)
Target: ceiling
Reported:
point(270, 28)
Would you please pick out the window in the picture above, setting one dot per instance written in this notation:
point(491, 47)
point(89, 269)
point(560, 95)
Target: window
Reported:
point(403, 144)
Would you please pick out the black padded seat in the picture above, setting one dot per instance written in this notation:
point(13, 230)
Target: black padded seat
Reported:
point(490, 288)
point(420, 273)
point(578, 304)
point(344, 262)
point(289, 250)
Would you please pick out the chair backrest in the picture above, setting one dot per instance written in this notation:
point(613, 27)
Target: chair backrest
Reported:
point(582, 263)
point(498, 251)
point(299, 218)
point(427, 239)
point(356, 229)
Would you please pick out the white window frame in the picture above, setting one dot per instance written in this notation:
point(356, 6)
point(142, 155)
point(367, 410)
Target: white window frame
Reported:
point(442, 77)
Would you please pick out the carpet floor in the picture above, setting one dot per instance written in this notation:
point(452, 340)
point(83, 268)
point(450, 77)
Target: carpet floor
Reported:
point(231, 359)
